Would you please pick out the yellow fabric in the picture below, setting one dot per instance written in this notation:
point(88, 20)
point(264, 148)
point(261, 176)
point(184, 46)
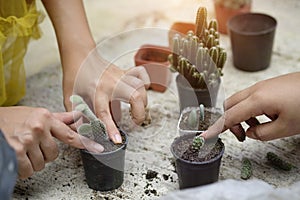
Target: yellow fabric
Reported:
point(19, 21)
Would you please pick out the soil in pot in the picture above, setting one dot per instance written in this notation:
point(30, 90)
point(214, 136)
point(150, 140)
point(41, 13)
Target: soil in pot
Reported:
point(210, 118)
point(105, 171)
point(197, 168)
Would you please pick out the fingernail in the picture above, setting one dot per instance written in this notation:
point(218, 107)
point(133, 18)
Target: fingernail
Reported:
point(98, 148)
point(118, 139)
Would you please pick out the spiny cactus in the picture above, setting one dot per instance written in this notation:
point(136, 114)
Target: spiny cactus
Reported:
point(278, 162)
point(95, 129)
point(198, 142)
point(199, 57)
point(233, 4)
point(246, 170)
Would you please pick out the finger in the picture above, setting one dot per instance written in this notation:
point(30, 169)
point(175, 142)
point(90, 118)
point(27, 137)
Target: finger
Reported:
point(102, 110)
point(252, 122)
point(49, 148)
point(68, 117)
point(141, 73)
point(236, 98)
point(65, 134)
point(266, 131)
point(138, 85)
point(137, 108)
point(239, 132)
point(36, 157)
point(90, 145)
point(25, 168)
point(215, 129)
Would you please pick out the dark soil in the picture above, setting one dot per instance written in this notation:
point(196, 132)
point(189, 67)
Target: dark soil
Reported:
point(210, 150)
point(209, 119)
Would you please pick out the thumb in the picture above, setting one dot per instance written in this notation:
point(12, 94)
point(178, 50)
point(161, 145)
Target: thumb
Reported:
point(68, 117)
point(265, 131)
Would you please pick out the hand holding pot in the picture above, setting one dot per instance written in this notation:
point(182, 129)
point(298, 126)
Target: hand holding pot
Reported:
point(276, 98)
point(31, 132)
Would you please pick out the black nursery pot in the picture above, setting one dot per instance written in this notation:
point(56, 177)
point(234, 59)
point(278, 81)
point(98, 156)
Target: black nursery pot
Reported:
point(193, 174)
point(189, 97)
point(105, 171)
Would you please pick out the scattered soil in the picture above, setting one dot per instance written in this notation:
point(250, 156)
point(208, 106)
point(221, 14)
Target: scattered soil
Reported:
point(151, 174)
point(210, 118)
point(210, 150)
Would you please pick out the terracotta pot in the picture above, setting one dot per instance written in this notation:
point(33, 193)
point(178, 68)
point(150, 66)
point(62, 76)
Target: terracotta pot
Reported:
point(223, 15)
point(193, 173)
point(189, 96)
point(105, 171)
point(155, 60)
point(252, 36)
point(180, 28)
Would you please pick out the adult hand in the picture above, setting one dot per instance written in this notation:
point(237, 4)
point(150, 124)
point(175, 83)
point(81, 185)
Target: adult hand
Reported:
point(31, 132)
point(277, 98)
point(100, 82)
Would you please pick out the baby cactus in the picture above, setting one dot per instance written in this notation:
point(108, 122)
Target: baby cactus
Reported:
point(198, 56)
point(201, 111)
point(198, 142)
point(277, 162)
point(95, 129)
point(246, 170)
point(193, 119)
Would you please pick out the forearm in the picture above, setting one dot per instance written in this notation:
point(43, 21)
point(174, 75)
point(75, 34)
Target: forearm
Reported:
point(73, 36)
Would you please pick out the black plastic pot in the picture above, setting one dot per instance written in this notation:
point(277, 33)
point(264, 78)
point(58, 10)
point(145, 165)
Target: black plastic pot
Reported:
point(192, 174)
point(252, 37)
point(189, 96)
point(105, 171)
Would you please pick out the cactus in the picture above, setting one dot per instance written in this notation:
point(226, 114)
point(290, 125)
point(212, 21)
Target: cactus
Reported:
point(193, 119)
point(95, 129)
point(246, 170)
point(277, 162)
point(201, 111)
point(198, 56)
point(198, 142)
point(233, 4)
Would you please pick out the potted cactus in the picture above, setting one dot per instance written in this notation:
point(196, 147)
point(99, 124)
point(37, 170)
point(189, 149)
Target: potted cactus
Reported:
point(199, 60)
point(103, 171)
point(226, 9)
point(197, 119)
point(197, 161)
point(155, 60)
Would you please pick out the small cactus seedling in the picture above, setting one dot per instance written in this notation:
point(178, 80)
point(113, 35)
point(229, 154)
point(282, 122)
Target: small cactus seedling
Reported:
point(201, 111)
point(193, 121)
point(198, 142)
point(246, 170)
point(278, 162)
point(95, 129)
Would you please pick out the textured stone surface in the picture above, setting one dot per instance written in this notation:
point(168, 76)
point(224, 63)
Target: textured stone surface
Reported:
point(148, 147)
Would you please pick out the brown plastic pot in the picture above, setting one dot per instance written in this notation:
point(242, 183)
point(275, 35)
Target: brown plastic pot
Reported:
point(105, 171)
point(180, 28)
point(252, 36)
point(223, 15)
point(189, 96)
point(192, 174)
point(155, 60)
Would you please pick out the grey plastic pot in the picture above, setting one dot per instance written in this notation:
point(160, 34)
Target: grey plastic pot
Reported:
point(105, 171)
point(252, 36)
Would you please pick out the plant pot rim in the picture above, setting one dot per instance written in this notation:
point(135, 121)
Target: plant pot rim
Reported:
point(110, 152)
point(252, 33)
point(188, 109)
point(196, 162)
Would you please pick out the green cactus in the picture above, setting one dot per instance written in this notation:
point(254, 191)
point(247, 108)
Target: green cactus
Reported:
point(201, 111)
point(95, 129)
point(278, 162)
point(198, 142)
point(198, 55)
point(193, 121)
point(246, 170)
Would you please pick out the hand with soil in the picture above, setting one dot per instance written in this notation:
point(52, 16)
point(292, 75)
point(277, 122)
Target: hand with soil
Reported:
point(276, 98)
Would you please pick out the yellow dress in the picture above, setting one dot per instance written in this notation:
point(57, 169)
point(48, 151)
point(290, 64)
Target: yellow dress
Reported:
point(19, 21)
